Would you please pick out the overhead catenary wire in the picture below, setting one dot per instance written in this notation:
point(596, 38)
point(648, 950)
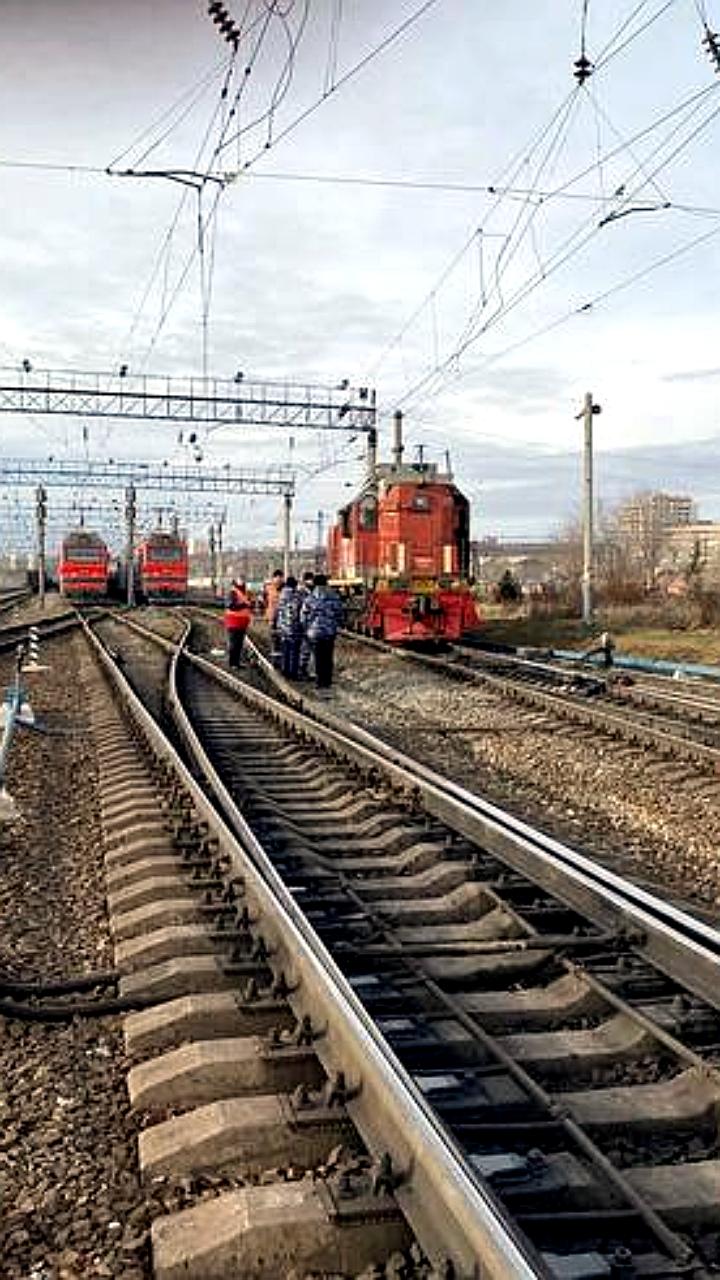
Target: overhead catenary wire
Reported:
point(185, 103)
point(204, 224)
point(225, 141)
point(344, 79)
point(571, 246)
point(594, 302)
point(511, 169)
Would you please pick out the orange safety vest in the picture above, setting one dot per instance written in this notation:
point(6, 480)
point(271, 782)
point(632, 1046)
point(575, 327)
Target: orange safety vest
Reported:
point(238, 613)
point(272, 595)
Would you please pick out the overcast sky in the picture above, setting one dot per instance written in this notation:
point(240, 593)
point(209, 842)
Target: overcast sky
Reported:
point(330, 280)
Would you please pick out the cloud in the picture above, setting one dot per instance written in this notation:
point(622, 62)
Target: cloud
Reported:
point(691, 375)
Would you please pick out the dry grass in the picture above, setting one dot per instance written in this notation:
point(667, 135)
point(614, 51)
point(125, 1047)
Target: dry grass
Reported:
point(649, 631)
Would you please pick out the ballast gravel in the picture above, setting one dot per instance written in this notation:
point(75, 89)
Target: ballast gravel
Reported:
point(71, 1201)
point(656, 821)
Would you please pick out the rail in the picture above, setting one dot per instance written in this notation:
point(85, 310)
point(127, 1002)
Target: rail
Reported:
point(656, 941)
point(612, 722)
point(690, 946)
point(451, 1210)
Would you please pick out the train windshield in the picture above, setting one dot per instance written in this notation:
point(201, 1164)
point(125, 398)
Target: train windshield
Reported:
point(84, 554)
point(167, 555)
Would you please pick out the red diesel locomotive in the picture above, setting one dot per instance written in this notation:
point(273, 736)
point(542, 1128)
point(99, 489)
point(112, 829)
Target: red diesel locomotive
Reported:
point(162, 567)
point(84, 566)
point(400, 551)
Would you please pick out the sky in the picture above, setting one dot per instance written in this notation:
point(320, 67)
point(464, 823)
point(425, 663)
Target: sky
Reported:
point(363, 240)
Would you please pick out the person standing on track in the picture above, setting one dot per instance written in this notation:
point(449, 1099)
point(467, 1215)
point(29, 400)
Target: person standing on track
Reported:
point(289, 629)
point(238, 615)
point(305, 588)
point(272, 600)
point(321, 617)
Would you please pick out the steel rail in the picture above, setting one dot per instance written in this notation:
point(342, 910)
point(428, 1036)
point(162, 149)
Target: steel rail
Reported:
point(452, 1211)
point(9, 599)
point(47, 628)
point(678, 943)
point(330, 738)
point(580, 713)
point(681, 945)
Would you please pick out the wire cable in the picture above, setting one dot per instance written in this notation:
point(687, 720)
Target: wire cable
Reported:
point(344, 79)
point(597, 300)
point(568, 249)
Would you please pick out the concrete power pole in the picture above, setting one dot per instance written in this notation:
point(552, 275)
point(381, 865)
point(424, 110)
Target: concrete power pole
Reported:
point(219, 540)
point(130, 516)
point(41, 513)
point(588, 411)
point(287, 543)
point(212, 548)
point(319, 541)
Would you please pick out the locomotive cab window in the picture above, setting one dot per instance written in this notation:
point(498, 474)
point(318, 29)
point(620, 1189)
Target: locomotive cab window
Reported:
point(368, 514)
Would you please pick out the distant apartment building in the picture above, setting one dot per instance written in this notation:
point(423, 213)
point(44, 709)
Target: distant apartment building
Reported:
point(693, 547)
point(648, 515)
point(642, 525)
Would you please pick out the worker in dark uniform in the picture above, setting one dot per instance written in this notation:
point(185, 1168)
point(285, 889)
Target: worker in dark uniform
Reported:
point(289, 629)
point(304, 590)
point(321, 617)
point(238, 615)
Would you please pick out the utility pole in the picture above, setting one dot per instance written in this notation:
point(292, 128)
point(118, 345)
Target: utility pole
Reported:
point(212, 548)
point(319, 539)
point(287, 513)
point(220, 567)
point(588, 411)
point(130, 516)
point(41, 513)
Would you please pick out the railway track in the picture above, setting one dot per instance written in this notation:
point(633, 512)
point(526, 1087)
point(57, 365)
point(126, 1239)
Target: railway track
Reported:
point(11, 599)
point(16, 633)
point(525, 1044)
point(676, 725)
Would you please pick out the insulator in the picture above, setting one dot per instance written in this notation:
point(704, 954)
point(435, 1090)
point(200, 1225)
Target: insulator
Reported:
point(215, 6)
point(583, 69)
point(711, 41)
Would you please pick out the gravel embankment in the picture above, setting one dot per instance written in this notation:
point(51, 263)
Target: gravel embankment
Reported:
point(643, 817)
point(619, 803)
point(72, 1205)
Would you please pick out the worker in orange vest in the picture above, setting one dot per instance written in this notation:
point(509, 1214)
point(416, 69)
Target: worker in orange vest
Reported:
point(238, 615)
point(272, 601)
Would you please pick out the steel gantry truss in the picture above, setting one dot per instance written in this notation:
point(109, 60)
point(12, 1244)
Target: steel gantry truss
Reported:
point(218, 401)
point(135, 476)
point(260, 482)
